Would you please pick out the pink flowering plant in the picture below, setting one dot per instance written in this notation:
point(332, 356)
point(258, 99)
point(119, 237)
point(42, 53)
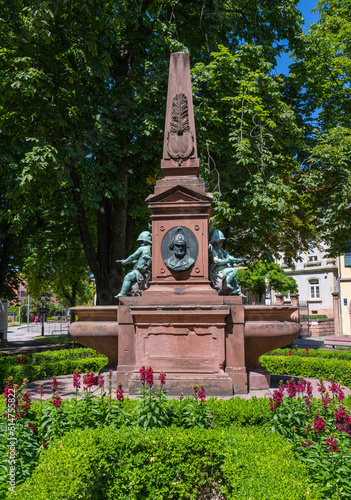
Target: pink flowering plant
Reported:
point(18, 443)
point(319, 430)
point(195, 412)
point(151, 409)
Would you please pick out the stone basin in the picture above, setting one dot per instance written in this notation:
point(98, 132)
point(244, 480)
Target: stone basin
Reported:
point(97, 328)
point(266, 328)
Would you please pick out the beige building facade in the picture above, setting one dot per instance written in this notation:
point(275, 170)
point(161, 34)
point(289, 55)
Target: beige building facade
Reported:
point(344, 262)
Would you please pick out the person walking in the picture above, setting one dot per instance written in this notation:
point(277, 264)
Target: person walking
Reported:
point(36, 320)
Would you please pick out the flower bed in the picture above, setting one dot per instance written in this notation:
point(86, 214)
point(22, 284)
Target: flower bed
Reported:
point(319, 431)
point(169, 451)
point(188, 447)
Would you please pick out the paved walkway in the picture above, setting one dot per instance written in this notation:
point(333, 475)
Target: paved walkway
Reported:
point(20, 339)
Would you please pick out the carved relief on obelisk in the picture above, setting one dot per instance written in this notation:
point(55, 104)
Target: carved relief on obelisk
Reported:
point(180, 139)
point(179, 148)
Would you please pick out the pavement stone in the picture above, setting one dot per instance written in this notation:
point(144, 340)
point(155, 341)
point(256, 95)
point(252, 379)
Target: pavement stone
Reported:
point(22, 339)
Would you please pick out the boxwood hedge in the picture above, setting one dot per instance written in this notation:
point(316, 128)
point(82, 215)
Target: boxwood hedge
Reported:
point(99, 464)
point(315, 353)
point(45, 364)
point(312, 367)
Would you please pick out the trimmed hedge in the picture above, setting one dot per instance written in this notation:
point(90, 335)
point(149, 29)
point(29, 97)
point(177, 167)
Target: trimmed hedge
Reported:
point(253, 411)
point(312, 353)
point(45, 364)
point(49, 355)
point(312, 367)
point(106, 464)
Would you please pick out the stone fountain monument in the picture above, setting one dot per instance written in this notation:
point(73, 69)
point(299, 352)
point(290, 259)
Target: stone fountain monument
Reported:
point(181, 324)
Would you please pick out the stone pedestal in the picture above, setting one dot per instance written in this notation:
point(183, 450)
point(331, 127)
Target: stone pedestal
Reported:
point(235, 344)
point(186, 341)
point(126, 345)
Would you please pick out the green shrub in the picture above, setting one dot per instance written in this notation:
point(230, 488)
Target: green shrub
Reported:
point(313, 316)
point(157, 464)
point(253, 411)
point(312, 353)
point(45, 364)
point(312, 367)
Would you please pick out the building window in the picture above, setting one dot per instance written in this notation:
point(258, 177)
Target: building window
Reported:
point(314, 289)
point(312, 258)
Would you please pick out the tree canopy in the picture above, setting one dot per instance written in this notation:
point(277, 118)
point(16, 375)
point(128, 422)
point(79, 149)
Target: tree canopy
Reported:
point(83, 93)
point(322, 72)
point(260, 273)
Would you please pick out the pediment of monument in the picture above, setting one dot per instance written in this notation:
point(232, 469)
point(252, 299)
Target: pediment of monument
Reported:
point(178, 194)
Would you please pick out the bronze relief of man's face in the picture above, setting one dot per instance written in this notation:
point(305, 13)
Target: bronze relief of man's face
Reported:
point(179, 250)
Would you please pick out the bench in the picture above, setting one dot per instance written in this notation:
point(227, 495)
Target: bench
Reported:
point(339, 341)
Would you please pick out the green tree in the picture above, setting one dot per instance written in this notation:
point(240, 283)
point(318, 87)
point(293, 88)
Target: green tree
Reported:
point(255, 276)
point(83, 89)
point(322, 71)
point(251, 139)
point(56, 262)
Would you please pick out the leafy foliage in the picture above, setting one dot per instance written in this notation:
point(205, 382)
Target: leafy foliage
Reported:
point(83, 88)
point(172, 463)
point(249, 138)
point(312, 367)
point(320, 83)
point(43, 365)
point(319, 430)
point(255, 276)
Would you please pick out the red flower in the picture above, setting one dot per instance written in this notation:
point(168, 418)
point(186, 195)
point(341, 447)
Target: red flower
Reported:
point(31, 427)
point(326, 399)
point(56, 400)
point(342, 420)
point(201, 395)
point(76, 379)
point(9, 389)
point(162, 378)
point(291, 388)
point(41, 389)
point(331, 443)
point(89, 379)
point(318, 424)
point(307, 443)
point(100, 381)
point(54, 384)
point(119, 393)
point(309, 389)
point(278, 395)
point(321, 387)
point(149, 376)
point(26, 402)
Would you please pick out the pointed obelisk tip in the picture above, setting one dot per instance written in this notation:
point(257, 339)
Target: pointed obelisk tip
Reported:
point(179, 147)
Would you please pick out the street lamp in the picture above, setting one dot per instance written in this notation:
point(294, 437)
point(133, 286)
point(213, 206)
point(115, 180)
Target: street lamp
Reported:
point(42, 298)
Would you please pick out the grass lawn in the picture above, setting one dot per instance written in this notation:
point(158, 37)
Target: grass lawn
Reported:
point(54, 339)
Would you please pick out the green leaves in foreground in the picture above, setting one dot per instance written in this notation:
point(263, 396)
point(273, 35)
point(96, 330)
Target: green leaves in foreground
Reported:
point(168, 463)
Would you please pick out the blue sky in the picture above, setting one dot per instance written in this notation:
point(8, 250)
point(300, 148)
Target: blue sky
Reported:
point(305, 6)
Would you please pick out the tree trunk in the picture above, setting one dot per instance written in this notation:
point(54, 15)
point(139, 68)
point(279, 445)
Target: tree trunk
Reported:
point(6, 253)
